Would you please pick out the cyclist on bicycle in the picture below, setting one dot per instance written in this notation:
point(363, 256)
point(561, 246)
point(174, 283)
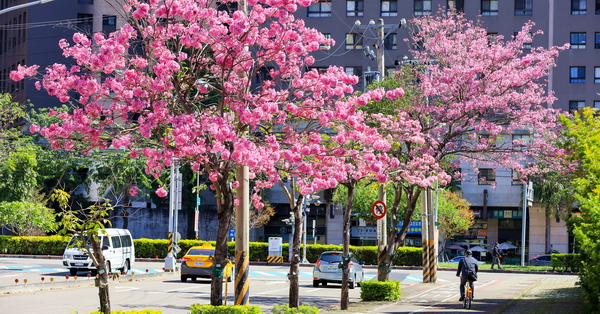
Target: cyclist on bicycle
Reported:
point(467, 271)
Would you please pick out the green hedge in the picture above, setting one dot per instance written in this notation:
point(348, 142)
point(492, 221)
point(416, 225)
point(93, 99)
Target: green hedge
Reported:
point(302, 309)
point(131, 312)
point(153, 248)
point(51, 245)
point(224, 309)
point(566, 262)
point(373, 290)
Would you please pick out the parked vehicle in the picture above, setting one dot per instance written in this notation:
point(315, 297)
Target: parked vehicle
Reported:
point(541, 260)
point(198, 262)
point(117, 248)
point(459, 258)
point(327, 269)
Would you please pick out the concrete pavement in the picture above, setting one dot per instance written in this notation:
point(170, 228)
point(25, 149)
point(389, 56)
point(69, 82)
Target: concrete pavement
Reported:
point(510, 293)
point(495, 292)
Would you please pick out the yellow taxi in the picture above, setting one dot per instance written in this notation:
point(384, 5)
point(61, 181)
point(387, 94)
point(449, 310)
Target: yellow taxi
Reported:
point(198, 262)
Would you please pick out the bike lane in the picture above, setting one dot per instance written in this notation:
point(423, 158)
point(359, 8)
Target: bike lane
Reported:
point(495, 292)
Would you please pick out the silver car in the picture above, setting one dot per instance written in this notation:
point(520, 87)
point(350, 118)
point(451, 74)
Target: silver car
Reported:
point(327, 269)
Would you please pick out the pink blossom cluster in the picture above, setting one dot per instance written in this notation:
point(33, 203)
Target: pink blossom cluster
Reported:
point(188, 95)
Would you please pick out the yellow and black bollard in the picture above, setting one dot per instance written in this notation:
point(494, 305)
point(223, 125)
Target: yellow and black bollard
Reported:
point(241, 278)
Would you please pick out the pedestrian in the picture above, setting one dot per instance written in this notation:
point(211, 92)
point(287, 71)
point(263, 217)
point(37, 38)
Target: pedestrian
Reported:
point(496, 256)
point(467, 271)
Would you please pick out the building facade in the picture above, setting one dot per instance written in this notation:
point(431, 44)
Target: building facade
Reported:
point(31, 35)
point(497, 202)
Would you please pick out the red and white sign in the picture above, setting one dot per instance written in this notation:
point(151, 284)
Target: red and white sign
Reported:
point(378, 209)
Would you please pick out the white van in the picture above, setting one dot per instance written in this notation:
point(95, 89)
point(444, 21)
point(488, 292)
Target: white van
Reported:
point(117, 247)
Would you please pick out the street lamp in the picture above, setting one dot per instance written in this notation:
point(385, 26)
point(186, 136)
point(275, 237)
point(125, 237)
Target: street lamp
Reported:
point(24, 5)
point(307, 201)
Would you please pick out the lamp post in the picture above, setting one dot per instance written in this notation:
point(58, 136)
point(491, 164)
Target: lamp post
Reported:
point(24, 5)
point(305, 223)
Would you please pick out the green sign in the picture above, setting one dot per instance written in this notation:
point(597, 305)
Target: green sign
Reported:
point(511, 214)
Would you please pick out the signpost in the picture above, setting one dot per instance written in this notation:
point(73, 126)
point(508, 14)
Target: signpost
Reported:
point(378, 209)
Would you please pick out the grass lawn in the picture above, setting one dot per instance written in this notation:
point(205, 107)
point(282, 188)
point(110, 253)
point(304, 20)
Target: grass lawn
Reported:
point(506, 267)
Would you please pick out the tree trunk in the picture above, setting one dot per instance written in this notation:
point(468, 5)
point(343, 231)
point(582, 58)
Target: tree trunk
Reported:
point(103, 293)
point(395, 238)
point(102, 279)
point(225, 209)
point(295, 262)
point(344, 302)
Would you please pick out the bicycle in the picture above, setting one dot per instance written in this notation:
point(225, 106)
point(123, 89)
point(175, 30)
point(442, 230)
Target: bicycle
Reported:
point(468, 294)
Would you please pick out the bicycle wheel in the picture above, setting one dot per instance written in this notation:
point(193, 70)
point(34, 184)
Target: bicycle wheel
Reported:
point(468, 302)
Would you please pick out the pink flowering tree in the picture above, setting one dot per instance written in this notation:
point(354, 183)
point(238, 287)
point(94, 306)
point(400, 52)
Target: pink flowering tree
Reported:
point(218, 89)
point(470, 93)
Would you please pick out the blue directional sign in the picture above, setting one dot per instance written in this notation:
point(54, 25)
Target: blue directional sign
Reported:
point(232, 233)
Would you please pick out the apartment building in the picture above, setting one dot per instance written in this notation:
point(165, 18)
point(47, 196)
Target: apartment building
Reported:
point(575, 82)
point(31, 35)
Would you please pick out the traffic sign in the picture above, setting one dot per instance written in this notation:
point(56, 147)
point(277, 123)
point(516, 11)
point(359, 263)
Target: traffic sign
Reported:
point(232, 233)
point(378, 209)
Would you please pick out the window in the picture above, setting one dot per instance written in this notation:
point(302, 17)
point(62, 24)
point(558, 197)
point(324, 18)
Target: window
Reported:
point(597, 104)
point(322, 46)
point(489, 140)
point(526, 44)
point(515, 178)
point(357, 71)
point(320, 9)
point(597, 41)
point(596, 74)
point(227, 6)
point(578, 7)
point(577, 75)
point(521, 140)
point(353, 41)
point(486, 176)
point(369, 77)
point(492, 37)
point(523, 7)
point(85, 23)
point(263, 74)
point(116, 241)
point(390, 42)
point(355, 7)
point(389, 8)
point(597, 6)
point(458, 5)
point(109, 23)
point(489, 7)
point(422, 7)
point(575, 105)
point(577, 40)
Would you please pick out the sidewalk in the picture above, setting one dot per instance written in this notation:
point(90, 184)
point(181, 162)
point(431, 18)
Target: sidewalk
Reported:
point(529, 293)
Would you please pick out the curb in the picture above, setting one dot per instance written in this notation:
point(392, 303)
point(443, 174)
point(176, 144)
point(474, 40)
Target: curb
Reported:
point(82, 283)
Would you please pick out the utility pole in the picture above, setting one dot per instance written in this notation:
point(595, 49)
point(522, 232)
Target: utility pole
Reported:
point(382, 241)
point(242, 224)
point(380, 56)
point(174, 203)
point(242, 244)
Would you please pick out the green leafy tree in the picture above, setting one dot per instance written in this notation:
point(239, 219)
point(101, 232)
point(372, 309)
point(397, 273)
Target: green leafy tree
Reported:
point(454, 214)
point(582, 138)
point(56, 169)
point(27, 218)
point(86, 225)
point(18, 175)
